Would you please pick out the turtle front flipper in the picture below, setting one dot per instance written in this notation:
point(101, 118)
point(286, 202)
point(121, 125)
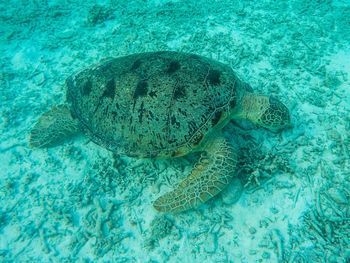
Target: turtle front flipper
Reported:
point(209, 177)
point(53, 127)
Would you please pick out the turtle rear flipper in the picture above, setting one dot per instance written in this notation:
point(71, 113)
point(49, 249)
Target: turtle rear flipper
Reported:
point(53, 127)
point(209, 177)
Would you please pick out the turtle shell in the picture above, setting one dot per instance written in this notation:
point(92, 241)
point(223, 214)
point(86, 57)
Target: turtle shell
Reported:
point(154, 104)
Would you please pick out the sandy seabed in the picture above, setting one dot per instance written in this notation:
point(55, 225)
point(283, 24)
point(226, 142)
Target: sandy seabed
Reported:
point(78, 202)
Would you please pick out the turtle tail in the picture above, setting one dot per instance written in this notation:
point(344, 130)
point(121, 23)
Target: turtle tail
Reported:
point(209, 177)
point(53, 127)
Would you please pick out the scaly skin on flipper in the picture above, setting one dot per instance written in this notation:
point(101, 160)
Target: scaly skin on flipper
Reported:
point(209, 177)
point(53, 127)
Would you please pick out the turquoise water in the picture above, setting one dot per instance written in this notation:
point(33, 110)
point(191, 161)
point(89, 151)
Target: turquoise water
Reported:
point(78, 202)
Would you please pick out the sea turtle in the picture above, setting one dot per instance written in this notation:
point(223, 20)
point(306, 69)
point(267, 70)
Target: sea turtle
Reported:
point(162, 105)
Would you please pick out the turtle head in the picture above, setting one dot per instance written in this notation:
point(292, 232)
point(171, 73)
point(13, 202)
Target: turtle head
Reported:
point(275, 116)
point(265, 111)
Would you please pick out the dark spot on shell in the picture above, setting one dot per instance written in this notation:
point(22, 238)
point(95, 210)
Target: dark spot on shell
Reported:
point(136, 64)
point(150, 115)
point(153, 94)
point(214, 77)
point(192, 126)
point(114, 115)
point(233, 103)
point(173, 67)
point(183, 112)
point(216, 118)
point(141, 89)
point(106, 110)
point(141, 112)
point(174, 122)
point(110, 89)
point(179, 92)
point(86, 88)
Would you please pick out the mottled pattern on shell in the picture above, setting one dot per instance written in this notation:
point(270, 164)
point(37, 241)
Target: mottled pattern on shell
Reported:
point(153, 104)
